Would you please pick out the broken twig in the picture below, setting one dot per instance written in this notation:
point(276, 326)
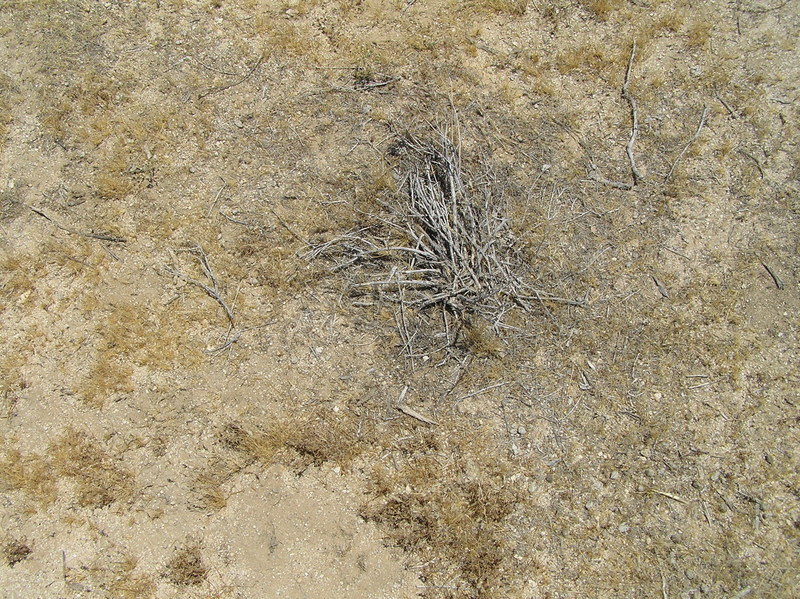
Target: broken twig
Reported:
point(400, 405)
point(212, 291)
point(688, 143)
point(90, 235)
point(216, 90)
point(637, 176)
point(775, 278)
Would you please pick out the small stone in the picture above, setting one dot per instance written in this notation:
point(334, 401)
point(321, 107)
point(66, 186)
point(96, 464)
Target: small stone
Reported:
point(549, 478)
point(615, 475)
point(696, 485)
point(238, 123)
point(705, 589)
point(521, 430)
point(623, 528)
point(690, 574)
point(769, 458)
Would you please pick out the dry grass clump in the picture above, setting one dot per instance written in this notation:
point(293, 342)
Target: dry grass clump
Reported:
point(7, 92)
point(603, 9)
point(31, 474)
point(99, 477)
point(186, 567)
point(207, 491)
point(16, 279)
point(131, 335)
point(262, 444)
point(15, 550)
point(298, 442)
point(450, 500)
point(115, 572)
point(515, 8)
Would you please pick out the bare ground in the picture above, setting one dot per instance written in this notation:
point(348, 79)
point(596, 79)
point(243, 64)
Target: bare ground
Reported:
point(191, 406)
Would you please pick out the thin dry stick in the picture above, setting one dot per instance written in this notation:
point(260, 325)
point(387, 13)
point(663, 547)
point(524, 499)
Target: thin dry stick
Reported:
point(670, 496)
point(775, 278)
point(99, 236)
point(479, 391)
point(689, 143)
point(637, 176)
point(198, 252)
point(215, 90)
point(400, 405)
point(212, 292)
point(731, 111)
point(216, 198)
point(600, 179)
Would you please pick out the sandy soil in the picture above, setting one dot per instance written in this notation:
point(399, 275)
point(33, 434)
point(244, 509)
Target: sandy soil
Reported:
point(194, 403)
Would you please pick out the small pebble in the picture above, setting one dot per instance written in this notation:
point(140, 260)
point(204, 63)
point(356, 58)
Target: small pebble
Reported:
point(769, 459)
point(615, 475)
point(690, 574)
point(705, 589)
point(623, 528)
point(521, 430)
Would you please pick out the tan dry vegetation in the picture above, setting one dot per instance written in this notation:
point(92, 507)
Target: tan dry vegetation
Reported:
point(632, 433)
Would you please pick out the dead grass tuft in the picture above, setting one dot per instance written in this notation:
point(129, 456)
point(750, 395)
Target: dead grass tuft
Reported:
point(100, 479)
point(208, 494)
point(15, 550)
point(515, 8)
point(325, 437)
point(31, 474)
point(262, 444)
point(186, 567)
point(451, 503)
point(8, 94)
point(17, 278)
point(602, 9)
point(131, 335)
point(299, 443)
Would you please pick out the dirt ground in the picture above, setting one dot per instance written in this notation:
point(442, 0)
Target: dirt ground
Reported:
point(199, 396)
